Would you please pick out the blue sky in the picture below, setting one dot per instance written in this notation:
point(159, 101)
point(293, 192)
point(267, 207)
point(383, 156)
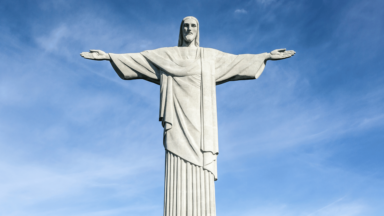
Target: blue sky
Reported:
point(305, 139)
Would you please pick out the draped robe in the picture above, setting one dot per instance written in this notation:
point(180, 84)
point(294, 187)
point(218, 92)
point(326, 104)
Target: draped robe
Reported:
point(188, 79)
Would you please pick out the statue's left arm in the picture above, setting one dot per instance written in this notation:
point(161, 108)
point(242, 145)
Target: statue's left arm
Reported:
point(229, 67)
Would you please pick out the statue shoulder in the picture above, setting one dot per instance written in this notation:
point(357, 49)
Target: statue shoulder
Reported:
point(214, 53)
point(163, 49)
point(207, 49)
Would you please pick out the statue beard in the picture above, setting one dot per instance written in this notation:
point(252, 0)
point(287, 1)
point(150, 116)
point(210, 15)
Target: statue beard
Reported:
point(189, 38)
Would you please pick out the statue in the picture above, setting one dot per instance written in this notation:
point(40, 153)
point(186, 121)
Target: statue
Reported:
point(188, 75)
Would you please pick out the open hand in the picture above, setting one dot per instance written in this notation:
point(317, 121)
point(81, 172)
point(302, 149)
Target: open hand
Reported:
point(95, 55)
point(278, 54)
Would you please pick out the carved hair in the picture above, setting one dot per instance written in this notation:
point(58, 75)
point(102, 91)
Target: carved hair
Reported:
point(181, 37)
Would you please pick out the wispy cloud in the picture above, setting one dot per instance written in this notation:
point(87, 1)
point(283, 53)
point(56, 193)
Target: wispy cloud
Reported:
point(265, 2)
point(52, 41)
point(337, 208)
point(341, 209)
point(240, 11)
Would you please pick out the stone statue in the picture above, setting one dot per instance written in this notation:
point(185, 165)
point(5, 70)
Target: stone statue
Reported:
point(188, 75)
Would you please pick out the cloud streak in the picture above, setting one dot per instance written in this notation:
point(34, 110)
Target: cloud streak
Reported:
point(240, 11)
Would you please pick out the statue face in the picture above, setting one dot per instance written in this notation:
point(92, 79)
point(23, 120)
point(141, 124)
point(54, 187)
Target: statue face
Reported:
point(189, 30)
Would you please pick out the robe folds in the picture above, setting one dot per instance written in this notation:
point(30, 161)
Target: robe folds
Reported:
point(188, 79)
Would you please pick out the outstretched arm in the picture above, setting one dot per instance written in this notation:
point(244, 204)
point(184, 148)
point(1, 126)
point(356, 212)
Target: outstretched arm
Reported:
point(97, 55)
point(128, 66)
point(247, 66)
point(279, 54)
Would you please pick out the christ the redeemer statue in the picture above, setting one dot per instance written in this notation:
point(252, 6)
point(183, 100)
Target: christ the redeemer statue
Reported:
point(188, 75)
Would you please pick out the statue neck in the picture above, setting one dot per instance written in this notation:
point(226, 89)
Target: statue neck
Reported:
point(190, 44)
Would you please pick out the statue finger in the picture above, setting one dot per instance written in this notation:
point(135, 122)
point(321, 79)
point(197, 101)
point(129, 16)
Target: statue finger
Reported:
point(86, 55)
point(90, 56)
point(286, 55)
point(95, 55)
point(290, 52)
point(94, 51)
point(282, 50)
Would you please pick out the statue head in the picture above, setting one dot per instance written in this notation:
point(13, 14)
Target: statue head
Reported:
point(189, 31)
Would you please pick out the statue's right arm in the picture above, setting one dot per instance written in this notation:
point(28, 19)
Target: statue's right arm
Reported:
point(97, 55)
